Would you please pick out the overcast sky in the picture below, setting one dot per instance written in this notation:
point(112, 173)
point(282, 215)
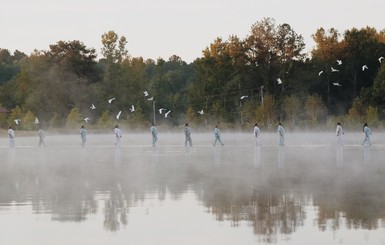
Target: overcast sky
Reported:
point(161, 28)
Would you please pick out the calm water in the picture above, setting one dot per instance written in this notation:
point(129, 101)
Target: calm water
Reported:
point(308, 192)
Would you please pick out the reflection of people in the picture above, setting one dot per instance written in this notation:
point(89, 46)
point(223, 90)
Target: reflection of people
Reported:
point(118, 135)
point(367, 134)
point(41, 137)
point(339, 133)
point(11, 135)
point(217, 135)
point(154, 133)
point(83, 135)
point(281, 132)
point(187, 134)
point(257, 133)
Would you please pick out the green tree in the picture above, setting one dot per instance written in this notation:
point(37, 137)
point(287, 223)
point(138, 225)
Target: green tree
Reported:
point(15, 113)
point(315, 108)
point(74, 118)
point(29, 121)
point(292, 108)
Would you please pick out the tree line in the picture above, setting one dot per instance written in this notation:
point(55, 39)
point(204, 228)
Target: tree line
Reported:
point(265, 77)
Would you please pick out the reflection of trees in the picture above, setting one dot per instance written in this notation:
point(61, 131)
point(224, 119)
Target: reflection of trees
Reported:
point(267, 198)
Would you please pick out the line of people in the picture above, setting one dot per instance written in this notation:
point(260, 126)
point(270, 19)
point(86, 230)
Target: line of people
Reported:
point(188, 139)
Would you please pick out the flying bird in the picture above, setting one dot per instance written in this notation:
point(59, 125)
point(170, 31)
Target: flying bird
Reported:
point(145, 93)
point(132, 109)
point(334, 70)
point(200, 112)
point(93, 107)
point(337, 84)
point(381, 59)
point(36, 120)
point(339, 62)
point(152, 98)
point(17, 121)
point(87, 119)
point(279, 80)
point(166, 114)
point(244, 96)
point(319, 73)
point(117, 116)
point(364, 67)
point(110, 100)
point(161, 109)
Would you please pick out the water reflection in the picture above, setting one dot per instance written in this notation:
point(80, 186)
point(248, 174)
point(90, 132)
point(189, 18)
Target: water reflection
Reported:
point(71, 185)
point(367, 154)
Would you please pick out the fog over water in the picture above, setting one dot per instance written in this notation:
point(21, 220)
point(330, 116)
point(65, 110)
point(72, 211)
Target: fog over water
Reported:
point(308, 192)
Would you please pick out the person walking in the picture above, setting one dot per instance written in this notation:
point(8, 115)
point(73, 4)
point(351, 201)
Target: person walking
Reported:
point(217, 135)
point(83, 135)
point(11, 136)
point(154, 133)
point(367, 133)
point(281, 132)
point(118, 135)
point(257, 133)
point(187, 134)
point(41, 135)
point(339, 133)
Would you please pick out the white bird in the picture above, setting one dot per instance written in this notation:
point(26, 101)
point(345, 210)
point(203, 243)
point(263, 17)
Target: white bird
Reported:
point(381, 59)
point(244, 96)
point(110, 100)
point(93, 107)
point(17, 121)
point(36, 120)
point(166, 114)
point(87, 119)
point(319, 73)
point(279, 80)
point(200, 112)
point(334, 70)
point(145, 93)
point(337, 84)
point(132, 109)
point(339, 62)
point(364, 67)
point(161, 110)
point(150, 98)
point(117, 116)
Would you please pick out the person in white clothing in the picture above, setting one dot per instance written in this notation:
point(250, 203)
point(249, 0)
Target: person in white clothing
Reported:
point(41, 137)
point(11, 136)
point(118, 135)
point(339, 133)
point(257, 133)
point(281, 132)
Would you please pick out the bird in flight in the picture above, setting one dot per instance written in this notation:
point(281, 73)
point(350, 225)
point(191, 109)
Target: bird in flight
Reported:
point(200, 112)
point(118, 116)
point(381, 59)
point(337, 84)
point(132, 109)
point(161, 110)
point(364, 67)
point(244, 96)
point(17, 121)
point(319, 73)
point(93, 107)
point(166, 114)
point(279, 80)
point(152, 98)
point(145, 93)
point(334, 70)
point(36, 120)
point(339, 62)
point(110, 100)
point(87, 119)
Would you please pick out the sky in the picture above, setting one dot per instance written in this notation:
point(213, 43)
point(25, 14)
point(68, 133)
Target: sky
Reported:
point(162, 28)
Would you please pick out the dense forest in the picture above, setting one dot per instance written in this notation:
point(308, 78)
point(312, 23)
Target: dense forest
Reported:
point(265, 77)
